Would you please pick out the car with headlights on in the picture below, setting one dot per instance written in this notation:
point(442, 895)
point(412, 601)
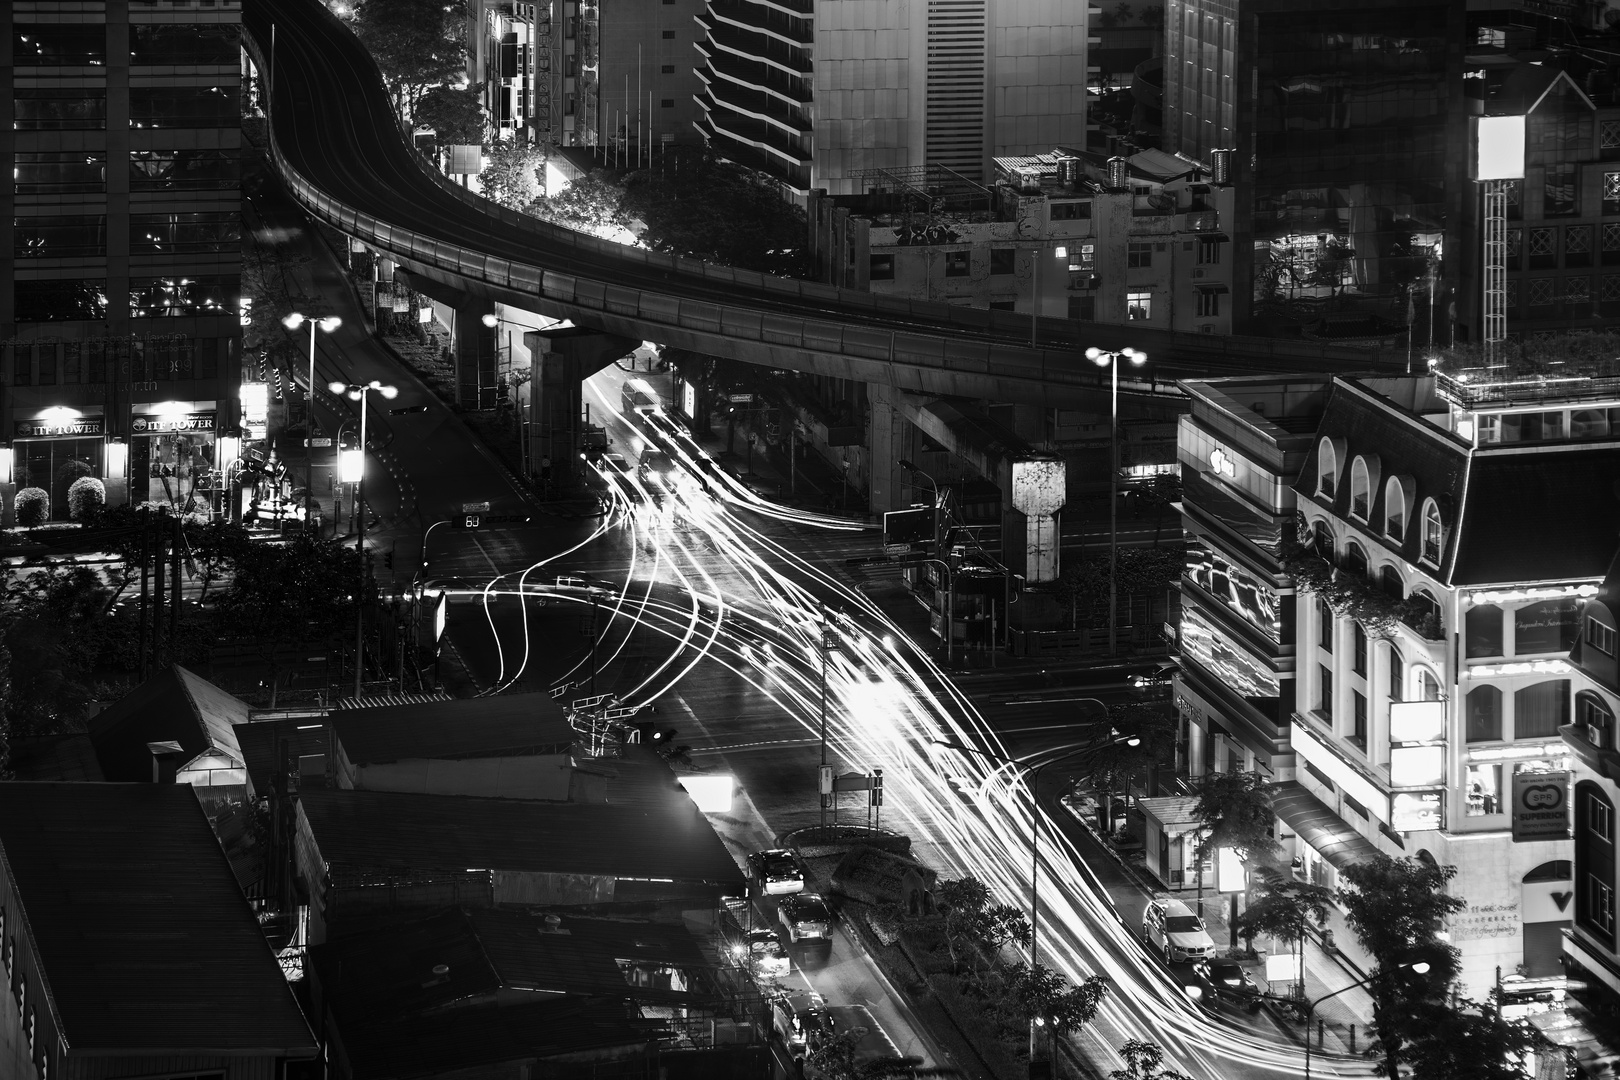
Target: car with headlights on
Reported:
point(776, 871)
point(805, 917)
point(1220, 980)
point(766, 957)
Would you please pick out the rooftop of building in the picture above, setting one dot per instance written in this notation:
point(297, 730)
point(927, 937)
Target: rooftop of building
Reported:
point(146, 940)
point(175, 705)
point(1278, 408)
point(665, 840)
point(389, 970)
point(466, 1038)
point(502, 726)
point(1549, 369)
point(1508, 516)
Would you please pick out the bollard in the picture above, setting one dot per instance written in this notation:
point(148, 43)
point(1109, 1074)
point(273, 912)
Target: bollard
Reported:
point(1321, 1031)
point(1352, 1038)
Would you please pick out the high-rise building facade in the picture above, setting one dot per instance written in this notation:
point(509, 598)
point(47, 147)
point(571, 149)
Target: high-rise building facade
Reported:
point(819, 92)
point(1346, 127)
point(615, 75)
point(119, 326)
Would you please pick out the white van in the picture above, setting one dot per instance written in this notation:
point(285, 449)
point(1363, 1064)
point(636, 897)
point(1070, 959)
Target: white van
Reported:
point(1171, 928)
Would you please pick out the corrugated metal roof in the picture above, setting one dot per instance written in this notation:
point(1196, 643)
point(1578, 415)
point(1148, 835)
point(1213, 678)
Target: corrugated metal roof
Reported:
point(582, 955)
point(261, 745)
point(386, 700)
point(502, 726)
point(381, 829)
point(146, 940)
point(173, 705)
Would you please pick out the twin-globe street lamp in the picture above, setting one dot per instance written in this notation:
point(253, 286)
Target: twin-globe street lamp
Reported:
point(354, 471)
point(1112, 360)
point(328, 325)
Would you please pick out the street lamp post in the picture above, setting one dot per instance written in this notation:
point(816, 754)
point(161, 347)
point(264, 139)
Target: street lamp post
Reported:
point(933, 486)
point(329, 324)
point(1031, 776)
point(1418, 967)
point(359, 392)
point(827, 642)
point(1111, 360)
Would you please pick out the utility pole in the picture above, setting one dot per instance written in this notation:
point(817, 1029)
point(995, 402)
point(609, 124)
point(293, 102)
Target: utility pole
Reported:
point(146, 558)
point(157, 597)
point(174, 602)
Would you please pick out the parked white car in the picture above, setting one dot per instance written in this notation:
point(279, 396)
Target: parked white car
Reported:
point(1169, 927)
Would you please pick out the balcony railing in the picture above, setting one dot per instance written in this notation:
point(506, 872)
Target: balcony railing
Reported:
point(1204, 221)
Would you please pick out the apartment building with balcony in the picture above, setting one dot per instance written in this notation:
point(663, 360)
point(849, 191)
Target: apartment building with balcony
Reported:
point(817, 93)
point(1451, 525)
point(120, 334)
point(1065, 233)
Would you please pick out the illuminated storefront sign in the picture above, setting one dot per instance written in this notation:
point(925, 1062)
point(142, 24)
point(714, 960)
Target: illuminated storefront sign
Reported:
point(172, 421)
point(60, 427)
point(1540, 806)
point(1417, 811)
point(1417, 766)
point(1417, 721)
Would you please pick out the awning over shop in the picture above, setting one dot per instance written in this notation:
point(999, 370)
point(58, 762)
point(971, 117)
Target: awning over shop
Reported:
point(1318, 826)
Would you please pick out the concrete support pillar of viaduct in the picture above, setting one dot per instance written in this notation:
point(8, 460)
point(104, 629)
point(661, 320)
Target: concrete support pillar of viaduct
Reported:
point(1038, 493)
point(472, 343)
point(562, 360)
point(886, 442)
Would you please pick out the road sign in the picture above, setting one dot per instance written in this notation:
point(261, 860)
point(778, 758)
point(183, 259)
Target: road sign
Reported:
point(475, 508)
point(852, 781)
point(318, 444)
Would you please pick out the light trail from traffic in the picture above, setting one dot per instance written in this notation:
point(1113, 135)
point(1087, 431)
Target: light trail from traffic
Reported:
point(888, 704)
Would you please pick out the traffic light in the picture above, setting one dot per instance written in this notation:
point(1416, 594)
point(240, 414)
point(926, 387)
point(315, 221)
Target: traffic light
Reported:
point(658, 736)
point(388, 559)
point(467, 521)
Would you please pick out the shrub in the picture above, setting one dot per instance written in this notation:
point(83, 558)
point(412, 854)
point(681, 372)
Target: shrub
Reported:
point(32, 507)
point(86, 498)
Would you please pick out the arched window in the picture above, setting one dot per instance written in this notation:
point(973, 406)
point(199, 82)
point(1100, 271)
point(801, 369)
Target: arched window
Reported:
point(1324, 540)
point(1594, 720)
point(1395, 510)
point(1482, 628)
point(1355, 560)
point(1594, 854)
point(1327, 469)
point(1540, 710)
point(1432, 534)
point(1360, 489)
point(1484, 712)
point(1428, 687)
point(1389, 579)
point(1397, 675)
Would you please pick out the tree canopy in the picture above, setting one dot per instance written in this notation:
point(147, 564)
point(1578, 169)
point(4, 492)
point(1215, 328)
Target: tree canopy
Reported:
point(418, 45)
point(1397, 909)
point(698, 205)
point(1234, 810)
point(511, 176)
point(457, 117)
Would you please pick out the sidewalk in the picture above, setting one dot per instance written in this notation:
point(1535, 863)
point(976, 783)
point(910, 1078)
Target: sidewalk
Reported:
point(1341, 1024)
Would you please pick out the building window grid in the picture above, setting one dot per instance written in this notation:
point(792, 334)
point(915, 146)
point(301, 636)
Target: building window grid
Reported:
point(1358, 719)
point(1601, 904)
point(1610, 289)
point(1542, 291)
point(1577, 245)
point(1597, 721)
point(1397, 676)
point(1138, 256)
point(1600, 820)
point(1609, 134)
point(1324, 620)
point(1326, 702)
point(1600, 636)
point(1358, 657)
